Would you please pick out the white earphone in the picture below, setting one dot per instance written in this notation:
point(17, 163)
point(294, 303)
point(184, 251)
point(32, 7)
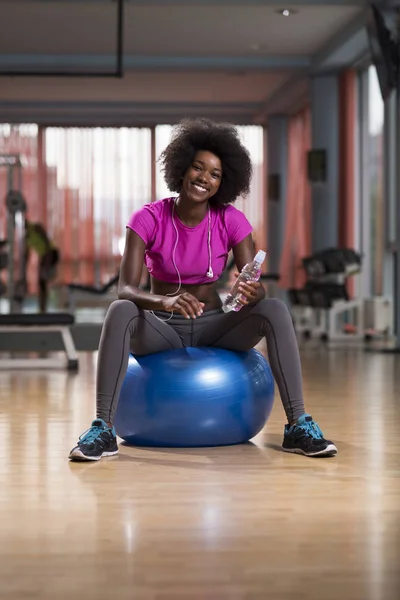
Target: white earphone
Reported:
point(209, 273)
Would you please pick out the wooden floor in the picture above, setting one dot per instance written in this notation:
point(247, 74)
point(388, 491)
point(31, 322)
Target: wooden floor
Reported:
point(238, 523)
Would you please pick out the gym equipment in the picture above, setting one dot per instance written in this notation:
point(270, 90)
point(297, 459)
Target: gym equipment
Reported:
point(12, 258)
point(323, 307)
point(106, 292)
point(12, 250)
point(193, 397)
point(42, 323)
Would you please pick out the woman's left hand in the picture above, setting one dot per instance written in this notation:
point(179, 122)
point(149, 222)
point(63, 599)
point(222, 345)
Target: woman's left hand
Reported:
point(252, 292)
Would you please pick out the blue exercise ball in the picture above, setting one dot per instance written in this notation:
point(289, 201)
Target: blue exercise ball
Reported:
point(191, 397)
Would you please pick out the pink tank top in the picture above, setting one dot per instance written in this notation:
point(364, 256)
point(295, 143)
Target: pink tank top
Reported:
point(153, 223)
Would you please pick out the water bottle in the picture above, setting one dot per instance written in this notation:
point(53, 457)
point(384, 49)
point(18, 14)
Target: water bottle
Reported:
point(250, 272)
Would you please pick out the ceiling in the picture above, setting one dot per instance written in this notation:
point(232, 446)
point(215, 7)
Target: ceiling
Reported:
point(237, 60)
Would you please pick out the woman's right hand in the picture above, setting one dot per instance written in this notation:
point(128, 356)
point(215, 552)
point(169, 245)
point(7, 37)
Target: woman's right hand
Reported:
point(185, 303)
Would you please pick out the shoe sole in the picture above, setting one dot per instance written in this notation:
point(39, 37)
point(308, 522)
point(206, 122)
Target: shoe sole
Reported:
point(78, 456)
point(330, 450)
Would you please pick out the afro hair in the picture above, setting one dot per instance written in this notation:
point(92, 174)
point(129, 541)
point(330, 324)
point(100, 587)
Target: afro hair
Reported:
point(222, 139)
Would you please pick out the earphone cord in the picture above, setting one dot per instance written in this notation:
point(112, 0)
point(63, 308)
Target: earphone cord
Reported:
point(209, 272)
point(174, 263)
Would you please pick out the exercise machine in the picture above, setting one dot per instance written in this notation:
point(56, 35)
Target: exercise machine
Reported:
point(12, 259)
point(104, 294)
point(323, 307)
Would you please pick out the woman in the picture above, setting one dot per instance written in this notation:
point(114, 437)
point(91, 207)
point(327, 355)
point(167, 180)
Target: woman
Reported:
point(184, 242)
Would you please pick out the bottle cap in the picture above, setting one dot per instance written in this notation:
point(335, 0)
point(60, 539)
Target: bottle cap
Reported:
point(260, 257)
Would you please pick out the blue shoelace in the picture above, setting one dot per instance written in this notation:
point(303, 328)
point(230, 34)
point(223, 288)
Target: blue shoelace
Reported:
point(91, 434)
point(311, 428)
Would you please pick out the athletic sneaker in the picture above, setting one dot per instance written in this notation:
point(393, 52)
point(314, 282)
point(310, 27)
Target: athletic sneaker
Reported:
point(98, 441)
point(305, 437)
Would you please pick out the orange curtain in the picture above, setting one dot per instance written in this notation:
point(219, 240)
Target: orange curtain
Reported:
point(297, 237)
point(347, 123)
point(22, 140)
point(96, 178)
point(347, 140)
point(82, 184)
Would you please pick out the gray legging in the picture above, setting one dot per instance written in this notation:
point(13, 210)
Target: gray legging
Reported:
point(128, 328)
